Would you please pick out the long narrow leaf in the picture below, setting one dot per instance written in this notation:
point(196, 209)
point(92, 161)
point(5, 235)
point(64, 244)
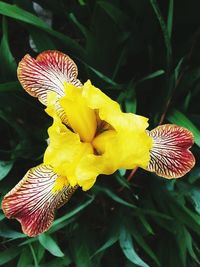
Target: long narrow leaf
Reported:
point(18, 13)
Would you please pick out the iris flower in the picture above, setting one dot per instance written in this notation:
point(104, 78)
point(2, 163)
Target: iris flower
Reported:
point(90, 135)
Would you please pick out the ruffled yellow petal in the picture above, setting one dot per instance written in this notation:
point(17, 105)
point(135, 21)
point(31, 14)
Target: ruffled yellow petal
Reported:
point(65, 150)
point(131, 144)
point(92, 148)
point(81, 118)
point(110, 111)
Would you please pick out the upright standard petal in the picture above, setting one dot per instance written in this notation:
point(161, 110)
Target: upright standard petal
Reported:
point(170, 155)
point(48, 72)
point(81, 118)
point(34, 199)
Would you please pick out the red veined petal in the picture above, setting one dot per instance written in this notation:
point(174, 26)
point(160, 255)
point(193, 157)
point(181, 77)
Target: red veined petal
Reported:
point(33, 202)
point(170, 154)
point(48, 72)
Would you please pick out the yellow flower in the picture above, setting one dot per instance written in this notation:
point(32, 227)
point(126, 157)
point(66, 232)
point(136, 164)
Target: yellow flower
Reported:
point(98, 139)
point(90, 135)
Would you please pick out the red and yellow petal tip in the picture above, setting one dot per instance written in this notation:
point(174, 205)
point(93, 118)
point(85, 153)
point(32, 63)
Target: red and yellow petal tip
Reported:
point(33, 200)
point(48, 72)
point(170, 154)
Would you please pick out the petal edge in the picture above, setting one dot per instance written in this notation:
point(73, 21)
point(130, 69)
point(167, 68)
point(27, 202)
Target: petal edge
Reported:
point(32, 201)
point(48, 72)
point(170, 154)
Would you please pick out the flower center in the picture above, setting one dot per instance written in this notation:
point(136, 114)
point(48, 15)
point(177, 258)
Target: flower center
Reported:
point(82, 119)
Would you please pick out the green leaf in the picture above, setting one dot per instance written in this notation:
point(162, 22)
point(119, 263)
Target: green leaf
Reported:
point(194, 175)
point(184, 215)
point(49, 244)
point(164, 29)
point(5, 168)
point(117, 15)
point(146, 225)
point(58, 262)
point(122, 180)
point(82, 28)
point(141, 242)
point(128, 249)
point(170, 17)
point(2, 216)
point(82, 2)
point(181, 240)
point(25, 258)
point(187, 101)
point(150, 76)
point(193, 193)
point(111, 241)
point(73, 212)
point(34, 255)
point(39, 251)
point(27, 17)
point(10, 87)
point(114, 196)
point(122, 172)
point(180, 119)
point(80, 245)
point(8, 255)
point(56, 227)
point(4, 232)
point(188, 81)
point(41, 40)
point(131, 105)
point(195, 196)
point(8, 65)
point(102, 76)
point(185, 244)
point(189, 242)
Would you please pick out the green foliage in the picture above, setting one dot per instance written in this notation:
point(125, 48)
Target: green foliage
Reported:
point(145, 54)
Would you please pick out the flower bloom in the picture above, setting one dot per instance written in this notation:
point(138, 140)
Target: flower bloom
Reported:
point(90, 135)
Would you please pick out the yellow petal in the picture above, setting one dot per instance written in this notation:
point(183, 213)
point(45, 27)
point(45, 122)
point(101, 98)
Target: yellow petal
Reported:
point(124, 143)
point(65, 150)
point(130, 147)
point(81, 118)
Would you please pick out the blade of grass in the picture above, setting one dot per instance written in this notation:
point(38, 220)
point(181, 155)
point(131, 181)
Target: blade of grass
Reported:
point(170, 17)
point(165, 32)
point(73, 212)
point(8, 65)
point(34, 256)
point(10, 87)
point(152, 75)
point(17, 13)
point(50, 245)
point(128, 249)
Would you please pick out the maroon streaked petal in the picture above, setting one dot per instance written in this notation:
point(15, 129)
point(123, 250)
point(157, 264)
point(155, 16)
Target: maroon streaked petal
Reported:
point(170, 155)
point(48, 72)
point(32, 201)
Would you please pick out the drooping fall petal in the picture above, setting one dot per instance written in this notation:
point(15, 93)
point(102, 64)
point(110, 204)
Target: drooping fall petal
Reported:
point(48, 72)
point(34, 199)
point(170, 154)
